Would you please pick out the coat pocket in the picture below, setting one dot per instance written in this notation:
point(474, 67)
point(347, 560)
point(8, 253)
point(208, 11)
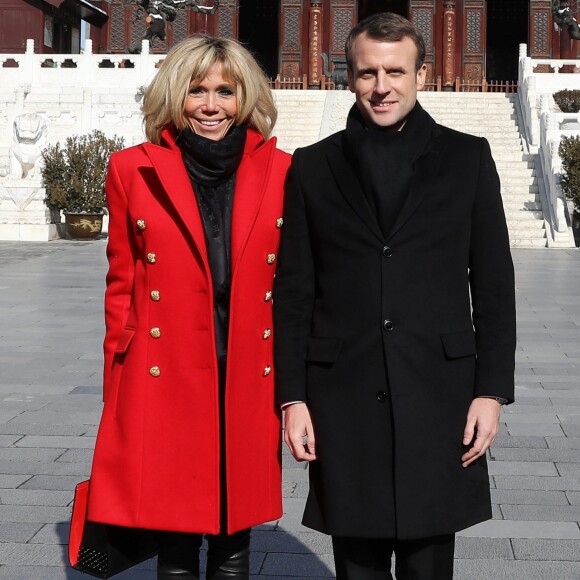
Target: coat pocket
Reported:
point(124, 341)
point(323, 350)
point(459, 344)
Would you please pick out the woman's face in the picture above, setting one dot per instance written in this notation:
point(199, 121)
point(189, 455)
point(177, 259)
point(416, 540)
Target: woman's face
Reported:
point(211, 105)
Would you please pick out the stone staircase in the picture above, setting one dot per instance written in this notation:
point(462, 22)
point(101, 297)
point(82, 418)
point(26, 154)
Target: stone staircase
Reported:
point(307, 116)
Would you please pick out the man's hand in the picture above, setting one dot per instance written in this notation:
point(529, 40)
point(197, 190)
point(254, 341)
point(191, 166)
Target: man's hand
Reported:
point(481, 428)
point(297, 427)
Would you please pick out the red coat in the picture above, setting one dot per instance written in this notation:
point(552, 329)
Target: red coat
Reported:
point(156, 461)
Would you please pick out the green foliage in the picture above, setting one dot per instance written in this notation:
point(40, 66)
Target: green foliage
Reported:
point(568, 100)
point(569, 151)
point(74, 174)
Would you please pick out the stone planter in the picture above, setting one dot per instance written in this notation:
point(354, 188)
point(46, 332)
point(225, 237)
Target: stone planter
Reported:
point(83, 226)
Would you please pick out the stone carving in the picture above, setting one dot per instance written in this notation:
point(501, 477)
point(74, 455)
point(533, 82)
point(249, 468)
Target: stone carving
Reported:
point(29, 138)
point(562, 14)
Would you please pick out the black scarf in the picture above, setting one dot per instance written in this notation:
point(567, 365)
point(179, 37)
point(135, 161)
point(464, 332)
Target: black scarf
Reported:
point(211, 166)
point(383, 160)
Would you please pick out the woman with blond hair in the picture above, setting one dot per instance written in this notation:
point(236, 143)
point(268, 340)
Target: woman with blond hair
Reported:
point(189, 441)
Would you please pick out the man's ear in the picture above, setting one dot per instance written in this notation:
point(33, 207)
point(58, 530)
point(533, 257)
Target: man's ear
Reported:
point(350, 80)
point(421, 77)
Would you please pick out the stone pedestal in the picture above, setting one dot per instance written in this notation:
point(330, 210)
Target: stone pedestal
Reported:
point(23, 215)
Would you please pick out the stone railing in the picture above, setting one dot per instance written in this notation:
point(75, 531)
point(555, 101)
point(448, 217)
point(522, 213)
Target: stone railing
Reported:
point(532, 85)
point(552, 127)
point(79, 70)
point(45, 98)
point(543, 127)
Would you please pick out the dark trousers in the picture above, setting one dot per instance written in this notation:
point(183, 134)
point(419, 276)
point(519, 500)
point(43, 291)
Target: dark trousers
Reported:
point(227, 555)
point(370, 558)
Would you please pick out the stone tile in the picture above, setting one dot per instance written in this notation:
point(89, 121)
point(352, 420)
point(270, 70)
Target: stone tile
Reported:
point(523, 529)
point(33, 514)
point(563, 442)
point(538, 483)
point(295, 543)
point(547, 550)
point(528, 442)
point(31, 497)
point(535, 429)
point(18, 532)
point(515, 570)
point(528, 497)
point(488, 548)
point(12, 481)
point(52, 482)
point(522, 468)
point(551, 513)
point(555, 455)
point(299, 565)
point(70, 442)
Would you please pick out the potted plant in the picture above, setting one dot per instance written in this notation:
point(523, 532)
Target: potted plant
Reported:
point(569, 151)
point(74, 178)
point(568, 100)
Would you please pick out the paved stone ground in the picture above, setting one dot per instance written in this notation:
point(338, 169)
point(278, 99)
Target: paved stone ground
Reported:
point(50, 375)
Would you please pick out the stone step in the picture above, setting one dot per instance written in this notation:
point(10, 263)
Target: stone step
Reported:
point(528, 242)
point(520, 192)
point(528, 205)
point(524, 214)
point(521, 196)
point(519, 225)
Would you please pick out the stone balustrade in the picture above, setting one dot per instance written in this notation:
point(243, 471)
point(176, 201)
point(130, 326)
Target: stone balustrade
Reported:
point(543, 127)
point(45, 98)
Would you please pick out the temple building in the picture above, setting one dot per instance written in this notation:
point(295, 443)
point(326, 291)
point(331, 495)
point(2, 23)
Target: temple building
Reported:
point(469, 42)
point(54, 25)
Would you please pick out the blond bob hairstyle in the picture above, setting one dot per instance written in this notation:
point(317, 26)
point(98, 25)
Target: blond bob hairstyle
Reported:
point(190, 61)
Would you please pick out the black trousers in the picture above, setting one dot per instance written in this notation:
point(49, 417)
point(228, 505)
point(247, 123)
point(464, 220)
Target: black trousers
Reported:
point(370, 558)
point(179, 551)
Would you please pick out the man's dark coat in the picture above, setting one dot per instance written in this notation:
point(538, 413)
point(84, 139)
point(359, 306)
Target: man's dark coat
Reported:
point(376, 333)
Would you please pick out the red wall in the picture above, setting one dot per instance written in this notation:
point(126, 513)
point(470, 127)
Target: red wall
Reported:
point(18, 21)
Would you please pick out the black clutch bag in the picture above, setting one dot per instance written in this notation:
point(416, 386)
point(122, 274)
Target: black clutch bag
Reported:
point(103, 550)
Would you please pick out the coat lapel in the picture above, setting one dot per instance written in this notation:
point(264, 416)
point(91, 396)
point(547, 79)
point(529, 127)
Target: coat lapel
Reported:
point(175, 181)
point(423, 181)
point(251, 179)
point(350, 187)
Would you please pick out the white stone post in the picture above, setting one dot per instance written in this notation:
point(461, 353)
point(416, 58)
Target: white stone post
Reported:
point(86, 64)
point(28, 70)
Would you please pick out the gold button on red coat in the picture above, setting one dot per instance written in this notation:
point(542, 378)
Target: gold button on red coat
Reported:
point(151, 258)
point(155, 296)
point(154, 371)
point(271, 258)
point(155, 332)
point(268, 296)
point(279, 222)
point(267, 371)
point(267, 333)
point(141, 224)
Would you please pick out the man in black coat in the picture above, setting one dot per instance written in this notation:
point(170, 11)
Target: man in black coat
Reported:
point(394, 318)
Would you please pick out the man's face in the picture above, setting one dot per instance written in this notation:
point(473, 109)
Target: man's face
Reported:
point(385, 80)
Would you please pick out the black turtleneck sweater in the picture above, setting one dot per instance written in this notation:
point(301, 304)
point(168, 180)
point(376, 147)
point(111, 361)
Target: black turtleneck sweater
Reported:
point(383, 159)
point(211, 166)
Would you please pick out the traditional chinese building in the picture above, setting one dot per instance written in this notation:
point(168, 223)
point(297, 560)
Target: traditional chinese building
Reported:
point(470, 40)
point(54, 25)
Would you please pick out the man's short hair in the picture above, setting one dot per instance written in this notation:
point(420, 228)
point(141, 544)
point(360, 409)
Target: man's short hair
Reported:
point(386, 27)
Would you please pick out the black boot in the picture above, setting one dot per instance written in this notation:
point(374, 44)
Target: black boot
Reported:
point(228, 557)
point(178, 556)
